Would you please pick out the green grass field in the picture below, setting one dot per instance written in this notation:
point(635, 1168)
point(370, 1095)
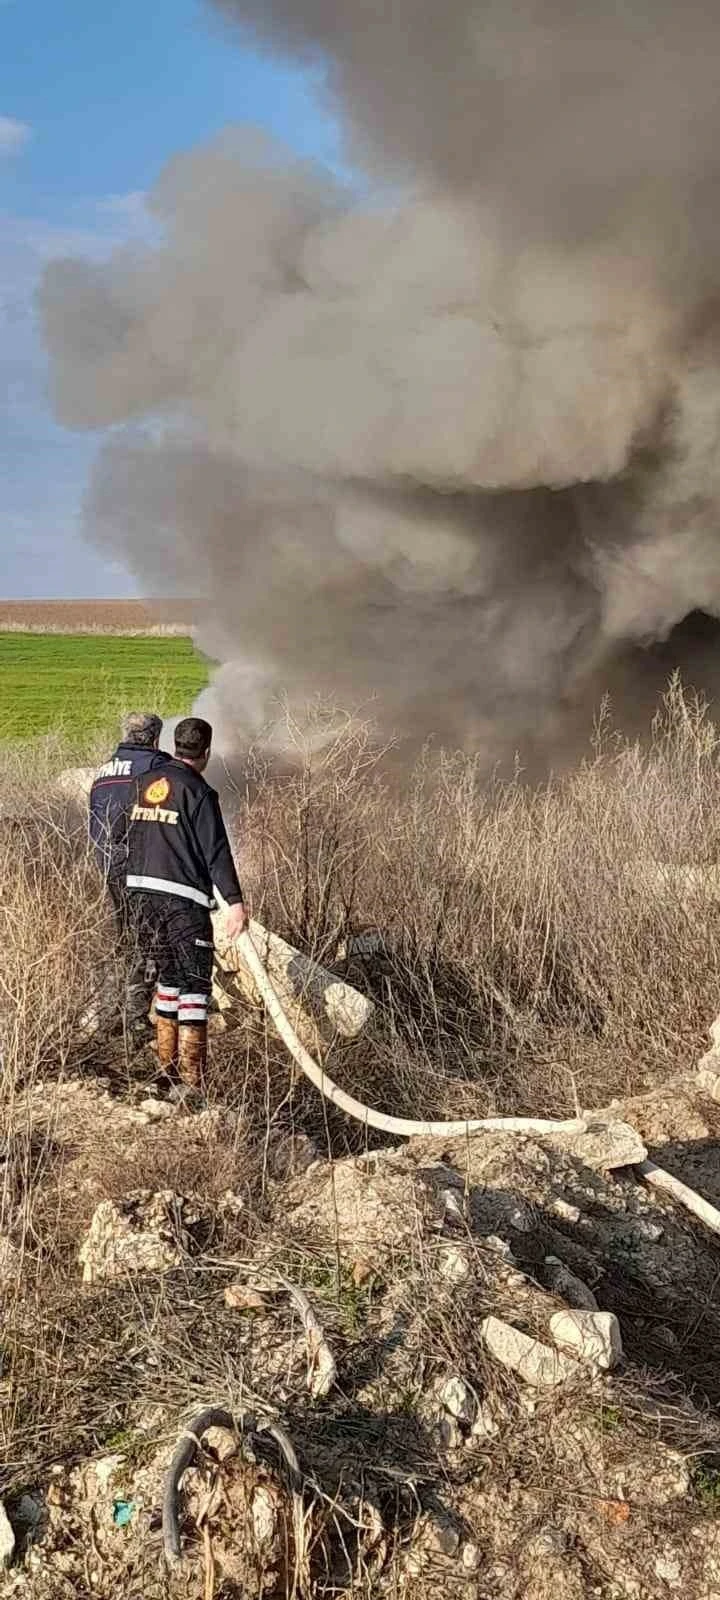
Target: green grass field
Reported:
point(76, 683)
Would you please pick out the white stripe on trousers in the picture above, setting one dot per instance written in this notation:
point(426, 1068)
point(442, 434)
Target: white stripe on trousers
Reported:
point(182, 891)
point(167, 997)
point(193, 1008)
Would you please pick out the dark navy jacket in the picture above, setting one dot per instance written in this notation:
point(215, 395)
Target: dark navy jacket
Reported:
point(111, 800)
point(177, 844)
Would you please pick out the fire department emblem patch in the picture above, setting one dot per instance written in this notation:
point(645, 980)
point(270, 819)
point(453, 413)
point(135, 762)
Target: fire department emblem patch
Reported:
point(156, 792)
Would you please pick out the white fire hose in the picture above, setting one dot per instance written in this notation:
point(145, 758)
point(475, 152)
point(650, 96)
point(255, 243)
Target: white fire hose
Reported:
point(403, 1126)
point(77, 784)
point(407, 1127)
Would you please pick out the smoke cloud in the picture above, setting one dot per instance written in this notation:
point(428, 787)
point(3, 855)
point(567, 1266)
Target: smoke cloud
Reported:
point(447, 438)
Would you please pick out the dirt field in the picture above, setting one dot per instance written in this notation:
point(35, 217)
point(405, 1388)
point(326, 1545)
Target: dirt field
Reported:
point(415, 1322)
point(96, 616)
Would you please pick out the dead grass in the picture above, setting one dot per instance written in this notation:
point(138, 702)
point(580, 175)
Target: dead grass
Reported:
point(526, 960)
point(530, 955)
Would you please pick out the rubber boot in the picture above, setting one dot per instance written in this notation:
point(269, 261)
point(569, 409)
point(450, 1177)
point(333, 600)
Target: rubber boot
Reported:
point(167, 1043)
point(193, 1053)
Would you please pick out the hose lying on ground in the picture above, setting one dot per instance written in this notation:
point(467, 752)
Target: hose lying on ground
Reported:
point(186, 1451)
point(403, 1126)
point(658, 1178)
point(406, 1127)
point(216, 1416)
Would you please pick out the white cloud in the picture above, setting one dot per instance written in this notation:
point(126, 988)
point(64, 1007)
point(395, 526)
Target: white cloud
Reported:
point(13, 135)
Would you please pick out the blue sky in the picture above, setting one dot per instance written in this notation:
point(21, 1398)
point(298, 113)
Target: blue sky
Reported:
point(94, 99)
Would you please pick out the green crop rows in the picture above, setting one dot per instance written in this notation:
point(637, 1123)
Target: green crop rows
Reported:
point(73, 683)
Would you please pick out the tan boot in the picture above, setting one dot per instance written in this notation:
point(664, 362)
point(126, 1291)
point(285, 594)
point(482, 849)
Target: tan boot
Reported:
point(167, 1043)
point(193, 1053)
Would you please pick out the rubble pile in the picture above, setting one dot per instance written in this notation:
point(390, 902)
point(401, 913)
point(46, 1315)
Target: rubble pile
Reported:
point(494, 1357)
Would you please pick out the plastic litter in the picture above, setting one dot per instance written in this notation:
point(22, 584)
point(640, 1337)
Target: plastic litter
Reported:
point(123, 1512)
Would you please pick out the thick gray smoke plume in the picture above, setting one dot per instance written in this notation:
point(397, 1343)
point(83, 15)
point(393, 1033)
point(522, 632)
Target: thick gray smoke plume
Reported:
point(451, 440)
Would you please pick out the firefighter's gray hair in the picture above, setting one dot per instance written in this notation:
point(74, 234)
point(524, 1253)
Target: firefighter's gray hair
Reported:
point(141, 727)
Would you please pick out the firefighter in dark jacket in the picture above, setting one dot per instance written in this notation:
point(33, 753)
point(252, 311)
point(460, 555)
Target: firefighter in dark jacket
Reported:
point(178, 851)
point(112, 797)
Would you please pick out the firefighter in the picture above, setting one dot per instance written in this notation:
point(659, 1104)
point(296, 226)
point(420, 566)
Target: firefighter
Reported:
point(111, 799)
point(178, 850)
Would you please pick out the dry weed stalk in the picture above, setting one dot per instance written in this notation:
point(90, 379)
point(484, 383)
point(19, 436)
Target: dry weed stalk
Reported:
point(522, 953)
point(532, 954)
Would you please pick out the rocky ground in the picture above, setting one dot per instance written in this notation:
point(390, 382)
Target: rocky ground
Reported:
point(499, 1373)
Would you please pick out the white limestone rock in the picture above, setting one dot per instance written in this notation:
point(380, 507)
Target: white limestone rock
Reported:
point(7, 1538)
point(537, 1363)
point(592, 1336)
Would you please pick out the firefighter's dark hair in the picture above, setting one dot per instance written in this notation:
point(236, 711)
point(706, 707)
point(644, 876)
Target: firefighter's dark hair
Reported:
point(193, 736)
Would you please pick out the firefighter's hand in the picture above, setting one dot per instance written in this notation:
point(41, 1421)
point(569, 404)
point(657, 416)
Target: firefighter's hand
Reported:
point(237, 919)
